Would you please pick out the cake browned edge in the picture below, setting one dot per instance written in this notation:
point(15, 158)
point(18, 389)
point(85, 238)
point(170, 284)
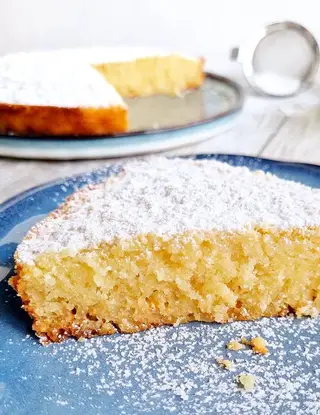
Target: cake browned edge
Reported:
point(64, 122)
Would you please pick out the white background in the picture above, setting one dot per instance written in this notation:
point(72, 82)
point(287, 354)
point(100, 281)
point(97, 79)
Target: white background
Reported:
point(203, 27)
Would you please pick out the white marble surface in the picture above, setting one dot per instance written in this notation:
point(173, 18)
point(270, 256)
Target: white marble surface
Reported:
point(285, 129)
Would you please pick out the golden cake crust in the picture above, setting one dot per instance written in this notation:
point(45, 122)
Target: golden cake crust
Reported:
point(55, 121)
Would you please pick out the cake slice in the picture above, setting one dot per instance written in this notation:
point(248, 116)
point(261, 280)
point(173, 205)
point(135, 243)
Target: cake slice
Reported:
point(167, 241)
point(77, 92)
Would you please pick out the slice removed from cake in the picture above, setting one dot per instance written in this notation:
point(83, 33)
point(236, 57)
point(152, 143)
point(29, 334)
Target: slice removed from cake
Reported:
point(167, 241)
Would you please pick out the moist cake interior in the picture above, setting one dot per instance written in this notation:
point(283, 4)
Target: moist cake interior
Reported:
point(167, 75)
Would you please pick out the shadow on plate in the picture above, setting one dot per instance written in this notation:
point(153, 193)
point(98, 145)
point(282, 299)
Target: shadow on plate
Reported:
point(6, 254)
point(10, 309)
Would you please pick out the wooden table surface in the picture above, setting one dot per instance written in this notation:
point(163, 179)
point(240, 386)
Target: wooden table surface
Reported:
point(283, 129)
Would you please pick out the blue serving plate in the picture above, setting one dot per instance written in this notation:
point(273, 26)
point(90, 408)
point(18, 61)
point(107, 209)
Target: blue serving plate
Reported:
point(168, 370)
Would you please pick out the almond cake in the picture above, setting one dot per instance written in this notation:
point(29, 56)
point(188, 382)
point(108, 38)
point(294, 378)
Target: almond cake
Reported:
point(168, 241)
point(79, 92)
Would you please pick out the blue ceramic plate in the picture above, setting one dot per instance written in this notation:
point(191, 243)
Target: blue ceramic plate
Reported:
point(156, 123)
point(169, 370)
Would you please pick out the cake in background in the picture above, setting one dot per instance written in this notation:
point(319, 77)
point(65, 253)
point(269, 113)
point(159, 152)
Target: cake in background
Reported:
point(75, 92)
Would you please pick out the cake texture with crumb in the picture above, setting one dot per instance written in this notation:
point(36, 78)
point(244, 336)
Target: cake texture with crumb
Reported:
point(247, 381)
point(167, 241)
point(259, 346)
point(227, 364)
point(235, 345)
point(78, 92)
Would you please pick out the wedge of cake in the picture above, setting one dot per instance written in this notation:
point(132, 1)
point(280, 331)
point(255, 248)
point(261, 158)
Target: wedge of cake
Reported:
point(77, 92)
point(167, 241)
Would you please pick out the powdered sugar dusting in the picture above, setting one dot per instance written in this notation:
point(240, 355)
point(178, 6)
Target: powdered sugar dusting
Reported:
point(167, 197)
point(65, 78)
point(49, 80)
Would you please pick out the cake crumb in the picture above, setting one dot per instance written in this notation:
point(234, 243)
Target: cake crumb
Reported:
point(235, 345)
point(258, 345)
point(245, 341)
point(227, 364)
point(247, 381)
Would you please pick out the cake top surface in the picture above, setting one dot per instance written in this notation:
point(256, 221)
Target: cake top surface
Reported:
point(167, 197)
point(42, 79)
point(65, 77)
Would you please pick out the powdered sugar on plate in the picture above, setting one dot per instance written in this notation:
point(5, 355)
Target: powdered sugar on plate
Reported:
point(174, 370)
